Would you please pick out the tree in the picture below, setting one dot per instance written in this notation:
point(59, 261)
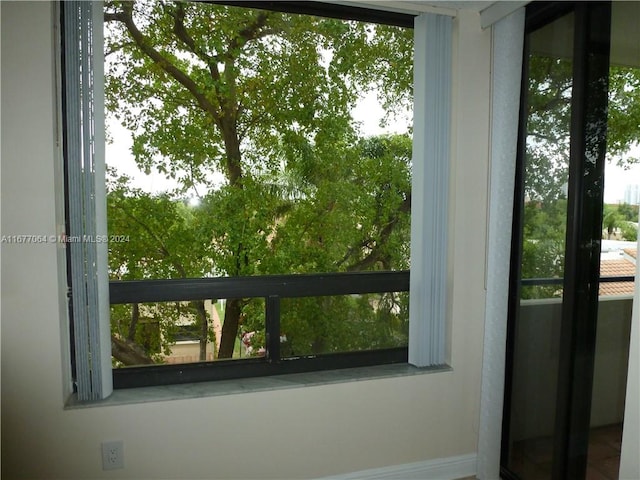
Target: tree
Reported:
point(263, 99)
point(628, 212)
point(629, 231)
point(611, 221)
point(547, 155)
point(166, 239)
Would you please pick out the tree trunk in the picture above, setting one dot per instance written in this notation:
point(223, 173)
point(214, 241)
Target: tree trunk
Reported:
point(204, 328)
point(133, 325)
point(128, 352)
point(230, 327)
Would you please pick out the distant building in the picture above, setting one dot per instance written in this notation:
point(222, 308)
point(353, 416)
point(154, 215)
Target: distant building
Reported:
point(632, 194)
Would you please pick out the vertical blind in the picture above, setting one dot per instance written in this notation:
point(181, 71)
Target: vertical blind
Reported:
point(430, 189)
point(86, 222)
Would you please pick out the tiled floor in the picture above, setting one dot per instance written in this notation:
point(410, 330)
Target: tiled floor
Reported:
point(604, 453)
point(532, 458)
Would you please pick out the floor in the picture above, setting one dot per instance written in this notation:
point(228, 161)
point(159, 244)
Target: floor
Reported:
point(604, 453)
point(532, 458)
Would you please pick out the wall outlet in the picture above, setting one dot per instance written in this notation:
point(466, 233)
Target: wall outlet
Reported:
point(112, 455)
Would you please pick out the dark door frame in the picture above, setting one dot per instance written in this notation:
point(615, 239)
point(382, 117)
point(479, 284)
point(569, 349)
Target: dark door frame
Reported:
point(589, 107)
point(584, 225)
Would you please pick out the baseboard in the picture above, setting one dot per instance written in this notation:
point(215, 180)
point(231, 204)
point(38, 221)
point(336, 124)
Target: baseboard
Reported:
point(438, 469)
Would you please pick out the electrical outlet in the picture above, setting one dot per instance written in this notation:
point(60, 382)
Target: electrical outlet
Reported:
point(112, 455)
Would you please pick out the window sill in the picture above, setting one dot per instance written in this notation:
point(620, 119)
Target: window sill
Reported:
point(252, 385)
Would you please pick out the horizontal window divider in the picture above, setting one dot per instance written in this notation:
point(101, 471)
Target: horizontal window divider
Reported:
point(622, 278)
point(284, 286)
point(329, 10)
point(533, 282)
point(152, 375)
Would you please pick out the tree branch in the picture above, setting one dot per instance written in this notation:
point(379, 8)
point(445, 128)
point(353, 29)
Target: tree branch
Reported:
point(181, 32)
point(163, 249)
point(129, 352)
point(250, 32)
point(126, 18)
point(376, 254)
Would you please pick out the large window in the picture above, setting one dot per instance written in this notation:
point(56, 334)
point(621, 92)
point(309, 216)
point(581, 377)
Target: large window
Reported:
point(259, 188)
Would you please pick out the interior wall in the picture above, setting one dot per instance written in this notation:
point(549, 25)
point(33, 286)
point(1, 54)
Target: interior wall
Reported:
point(291, 433)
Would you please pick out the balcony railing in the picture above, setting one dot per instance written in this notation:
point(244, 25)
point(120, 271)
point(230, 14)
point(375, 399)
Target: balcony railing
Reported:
point(273, 288)
point(536, 362)
point(535, 282)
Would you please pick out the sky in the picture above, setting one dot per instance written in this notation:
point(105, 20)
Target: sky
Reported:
point(616, 180)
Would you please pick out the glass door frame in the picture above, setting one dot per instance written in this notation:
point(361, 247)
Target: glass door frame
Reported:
point(589, 102)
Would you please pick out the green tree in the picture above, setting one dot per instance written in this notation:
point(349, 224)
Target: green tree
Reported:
point(629, 231)
point(611, 221)
point(547, 156)
point(165, 238)
point(628, 212)
point(264, 99)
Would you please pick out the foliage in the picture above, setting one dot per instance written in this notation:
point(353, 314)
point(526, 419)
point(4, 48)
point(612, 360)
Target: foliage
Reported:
point(611, 221)
point(253, 109)
point(629, 231)
point(547, 157)
point(628, 212)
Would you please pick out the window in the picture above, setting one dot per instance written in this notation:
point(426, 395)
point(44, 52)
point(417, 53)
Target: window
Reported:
point(338, 297)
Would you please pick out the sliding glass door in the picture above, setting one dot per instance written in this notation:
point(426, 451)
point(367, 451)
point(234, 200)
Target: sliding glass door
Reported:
point(577, 76)
point(539, 247)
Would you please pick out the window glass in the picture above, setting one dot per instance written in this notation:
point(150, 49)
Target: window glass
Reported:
point(247, 142)
point(536, 341)
point(547, 158)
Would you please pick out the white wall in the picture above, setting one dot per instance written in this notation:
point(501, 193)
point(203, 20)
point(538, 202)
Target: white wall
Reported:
point(298, 433)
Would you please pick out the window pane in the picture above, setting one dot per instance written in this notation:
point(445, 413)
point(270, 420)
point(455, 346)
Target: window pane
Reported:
point(183, 332)
point(248, 142)
point(537, 328)
point(547, 157)
point(619, 245)
point(346, 323)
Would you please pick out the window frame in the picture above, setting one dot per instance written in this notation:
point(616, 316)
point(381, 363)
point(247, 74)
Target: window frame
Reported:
point(429, 237)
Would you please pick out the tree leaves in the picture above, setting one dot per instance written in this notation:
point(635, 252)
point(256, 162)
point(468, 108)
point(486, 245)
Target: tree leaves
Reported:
point(547, 159)
point(261, 102)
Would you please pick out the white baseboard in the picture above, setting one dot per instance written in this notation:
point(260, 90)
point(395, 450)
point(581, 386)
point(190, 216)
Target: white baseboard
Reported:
point(439, 469)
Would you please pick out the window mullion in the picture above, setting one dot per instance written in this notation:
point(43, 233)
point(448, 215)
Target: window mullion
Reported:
point(272, 327)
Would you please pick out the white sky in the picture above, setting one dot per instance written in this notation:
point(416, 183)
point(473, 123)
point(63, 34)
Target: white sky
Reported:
point(616, 180)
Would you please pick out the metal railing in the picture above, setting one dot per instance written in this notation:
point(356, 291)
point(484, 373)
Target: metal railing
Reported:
point(536, 282)
point(273, 288)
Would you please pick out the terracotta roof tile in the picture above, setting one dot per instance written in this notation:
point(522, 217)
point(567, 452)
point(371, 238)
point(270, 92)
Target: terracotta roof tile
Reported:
point(615, 268)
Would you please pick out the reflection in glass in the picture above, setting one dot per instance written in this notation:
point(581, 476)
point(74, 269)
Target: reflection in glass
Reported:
point(537, 329)
point(614, 312)
point(547, 156)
